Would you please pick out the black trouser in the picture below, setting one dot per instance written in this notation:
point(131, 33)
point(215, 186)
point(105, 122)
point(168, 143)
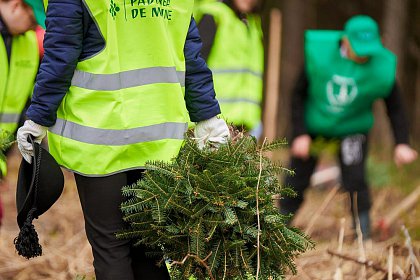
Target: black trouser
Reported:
point(114, 259)
point(352, 157)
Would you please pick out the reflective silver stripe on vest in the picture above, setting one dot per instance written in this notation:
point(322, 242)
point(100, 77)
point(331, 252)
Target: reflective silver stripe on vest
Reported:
point(230, 71)
point(237, 100)
point(128, 79)
point(9, 118)
point(113, 137)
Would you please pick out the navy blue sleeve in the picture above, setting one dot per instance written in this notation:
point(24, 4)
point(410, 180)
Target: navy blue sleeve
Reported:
point(62, 45)
point(200, 97)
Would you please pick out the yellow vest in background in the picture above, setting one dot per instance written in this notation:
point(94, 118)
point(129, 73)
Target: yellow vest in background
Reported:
point(237, 62)
point(16, 80)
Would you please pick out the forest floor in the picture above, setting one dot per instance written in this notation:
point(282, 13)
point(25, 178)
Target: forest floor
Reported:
point(67, 254)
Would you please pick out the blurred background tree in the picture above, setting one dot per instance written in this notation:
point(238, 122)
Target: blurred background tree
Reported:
point(400, 28)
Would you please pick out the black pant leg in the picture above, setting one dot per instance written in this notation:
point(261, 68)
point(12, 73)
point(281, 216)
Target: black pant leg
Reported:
point(101, 199)
point(144, 267)
point(113, 258)
point(299, 182)
point(353, 154)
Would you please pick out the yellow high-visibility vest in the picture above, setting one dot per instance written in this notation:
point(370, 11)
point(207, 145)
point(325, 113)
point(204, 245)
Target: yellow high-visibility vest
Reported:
point(125, 105)
point(16, 80)
point(237, 62)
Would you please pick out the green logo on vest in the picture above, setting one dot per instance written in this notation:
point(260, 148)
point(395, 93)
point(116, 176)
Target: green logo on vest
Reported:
point(151, 9)
point(341, 91)
point(113, 9)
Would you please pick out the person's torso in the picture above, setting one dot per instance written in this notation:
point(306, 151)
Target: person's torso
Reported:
point(126, 103)
point(341, 92)
point(17, 76)
point(237, 62)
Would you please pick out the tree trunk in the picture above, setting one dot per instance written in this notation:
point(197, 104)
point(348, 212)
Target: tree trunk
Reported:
point(292, 57)
point(394, 35)
point(416, 119)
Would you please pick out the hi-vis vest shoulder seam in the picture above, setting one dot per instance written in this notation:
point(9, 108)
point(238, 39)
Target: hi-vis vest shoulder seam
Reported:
point(17, 78)
point(125, 105)
point(237, 62)
point(341, 92)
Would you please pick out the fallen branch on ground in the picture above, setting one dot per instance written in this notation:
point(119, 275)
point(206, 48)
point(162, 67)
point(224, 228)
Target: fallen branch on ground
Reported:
point(384, 225)
point(321, 209)
point(367, 263)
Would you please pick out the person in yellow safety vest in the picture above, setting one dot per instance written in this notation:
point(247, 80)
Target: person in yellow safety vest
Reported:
point(116, 88)
point(233, 48)
point(19, 60)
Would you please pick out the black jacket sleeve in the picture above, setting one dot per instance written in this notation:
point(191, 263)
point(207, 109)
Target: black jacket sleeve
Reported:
point(208, 29)
point(397, 116)
point(299, 95)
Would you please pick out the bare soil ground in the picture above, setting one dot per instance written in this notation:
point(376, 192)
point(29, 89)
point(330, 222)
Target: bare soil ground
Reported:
point(67, 254)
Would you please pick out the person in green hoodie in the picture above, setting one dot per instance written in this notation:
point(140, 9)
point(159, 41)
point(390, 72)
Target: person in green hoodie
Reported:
point(345, 73)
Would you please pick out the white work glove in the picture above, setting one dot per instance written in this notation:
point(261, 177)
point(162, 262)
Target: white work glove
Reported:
point(214, 130)
point(37, 131)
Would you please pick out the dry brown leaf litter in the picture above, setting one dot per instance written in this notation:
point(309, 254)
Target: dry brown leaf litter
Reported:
point(67, 254)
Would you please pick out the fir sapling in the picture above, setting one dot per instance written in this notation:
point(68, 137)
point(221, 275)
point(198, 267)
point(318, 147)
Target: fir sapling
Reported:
point(200, 213)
